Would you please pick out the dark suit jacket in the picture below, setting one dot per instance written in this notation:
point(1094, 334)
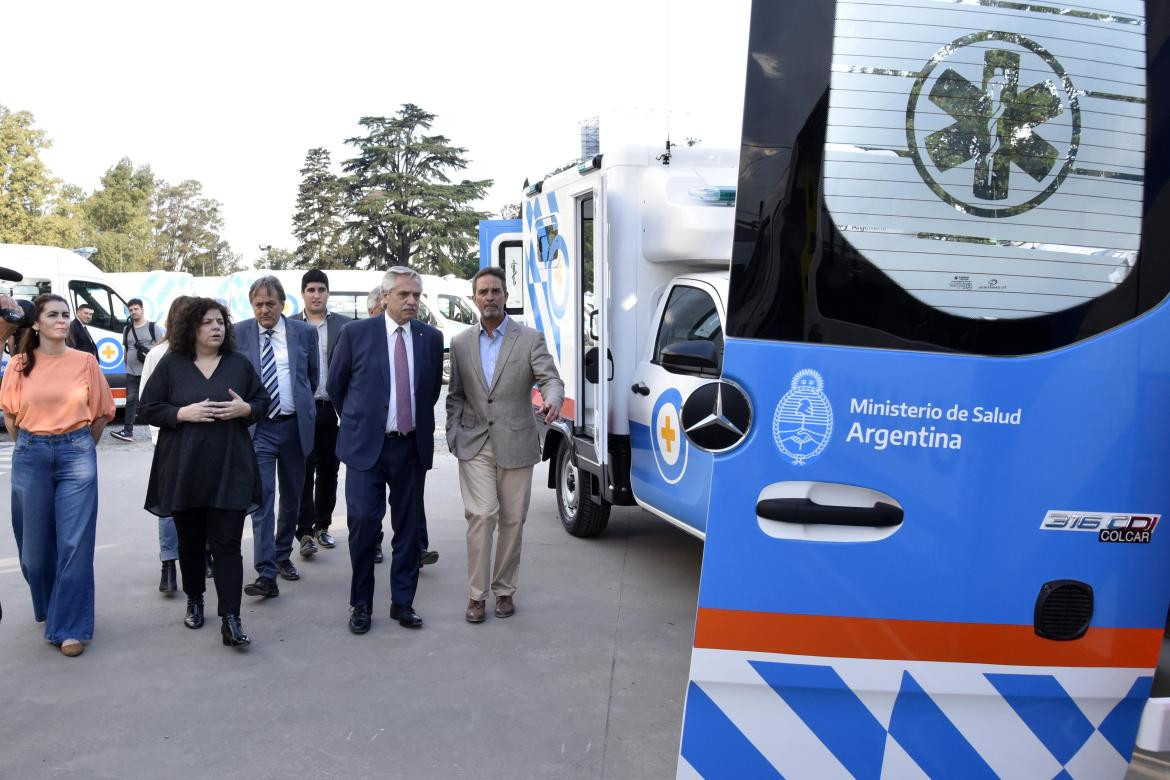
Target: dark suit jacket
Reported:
point(359, 386)
point(304, 360)
point(79, 338)
point(333, 325)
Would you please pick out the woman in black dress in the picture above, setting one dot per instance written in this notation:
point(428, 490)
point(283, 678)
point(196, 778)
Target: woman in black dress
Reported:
point(202, 396)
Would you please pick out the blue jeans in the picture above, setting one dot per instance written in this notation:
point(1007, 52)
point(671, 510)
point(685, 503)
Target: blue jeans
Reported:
point(278, 453)
point(54, 518)
point(168, 539)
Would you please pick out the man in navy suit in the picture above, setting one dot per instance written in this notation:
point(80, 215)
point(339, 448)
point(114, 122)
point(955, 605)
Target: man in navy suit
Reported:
point(384, 380)
point(285, 355)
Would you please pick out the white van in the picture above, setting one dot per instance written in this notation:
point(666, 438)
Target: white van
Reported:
point(49, 269)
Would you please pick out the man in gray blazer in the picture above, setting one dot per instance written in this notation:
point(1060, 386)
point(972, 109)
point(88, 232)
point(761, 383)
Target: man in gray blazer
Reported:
point(284, 353)
point(316, 513)
point(491, 429)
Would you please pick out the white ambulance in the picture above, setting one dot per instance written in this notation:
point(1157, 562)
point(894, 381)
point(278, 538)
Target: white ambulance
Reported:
point(626, 256)
point(50, 269)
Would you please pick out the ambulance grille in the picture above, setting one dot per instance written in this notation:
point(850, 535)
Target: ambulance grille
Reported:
point(1064, 610)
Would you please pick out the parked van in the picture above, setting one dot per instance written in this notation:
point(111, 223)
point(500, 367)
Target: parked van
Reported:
point(49, 269)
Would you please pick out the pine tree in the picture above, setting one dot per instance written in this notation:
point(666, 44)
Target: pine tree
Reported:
point(403, 208)
point(319, 218)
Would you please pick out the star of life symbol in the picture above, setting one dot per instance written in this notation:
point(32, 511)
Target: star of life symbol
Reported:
point(803, 422)
point(996, 129)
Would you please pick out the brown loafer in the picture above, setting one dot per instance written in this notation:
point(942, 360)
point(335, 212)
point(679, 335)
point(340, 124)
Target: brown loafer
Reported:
point(72, 648)
point(505, 607)
point(474, 612)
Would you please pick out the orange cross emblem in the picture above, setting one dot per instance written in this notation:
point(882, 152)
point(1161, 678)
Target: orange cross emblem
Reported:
point(668, 434)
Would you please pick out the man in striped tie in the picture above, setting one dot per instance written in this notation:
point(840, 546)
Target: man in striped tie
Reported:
point(285, 355)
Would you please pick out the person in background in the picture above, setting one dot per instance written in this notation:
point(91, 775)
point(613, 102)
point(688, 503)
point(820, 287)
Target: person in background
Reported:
point(56, 402)
point(385, 380)
point(284, 353)
point(79, 337)
point(202, 396)
point(316, 513)
point(138, 337)
point(168, 540)
point(12, 314)
point(493, 370)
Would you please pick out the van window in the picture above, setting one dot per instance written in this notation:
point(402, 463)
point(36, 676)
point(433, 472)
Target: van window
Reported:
point(690, 315)
point(109, 310)
point(964, 190)
point(457, 309)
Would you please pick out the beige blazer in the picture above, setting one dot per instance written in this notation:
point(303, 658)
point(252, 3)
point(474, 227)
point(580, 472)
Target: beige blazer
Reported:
point(502, 410)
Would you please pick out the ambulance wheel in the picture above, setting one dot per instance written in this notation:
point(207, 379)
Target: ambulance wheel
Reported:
point(446, 367)
point(579, 514)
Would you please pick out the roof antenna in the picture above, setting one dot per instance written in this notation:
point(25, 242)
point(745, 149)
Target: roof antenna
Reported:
point(664, 158)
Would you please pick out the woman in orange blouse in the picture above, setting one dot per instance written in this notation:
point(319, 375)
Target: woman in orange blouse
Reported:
point(55, 403)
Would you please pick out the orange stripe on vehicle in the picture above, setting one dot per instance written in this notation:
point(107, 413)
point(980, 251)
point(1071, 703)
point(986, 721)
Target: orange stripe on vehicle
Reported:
point(567, 408)
point(118, 392)
point(921, 640)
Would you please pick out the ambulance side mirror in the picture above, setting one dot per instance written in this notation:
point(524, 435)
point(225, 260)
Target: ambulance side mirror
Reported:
point(694, 358)
point(592, 369)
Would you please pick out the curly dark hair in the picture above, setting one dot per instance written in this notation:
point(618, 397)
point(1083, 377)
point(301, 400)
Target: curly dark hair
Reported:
point(182, 336)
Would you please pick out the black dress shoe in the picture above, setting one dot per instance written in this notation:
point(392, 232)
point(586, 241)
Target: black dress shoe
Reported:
point(429, 557)
point(233, 632)
point(194, 617)
point(308, 546)
point(263, 586)
point(166, 583)
point(359, 619)
point(325, 539)
point(406, 616)
point(378, 554)
point(287, 570)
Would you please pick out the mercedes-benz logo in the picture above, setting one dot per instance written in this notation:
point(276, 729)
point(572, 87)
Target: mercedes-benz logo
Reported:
point(717, 416)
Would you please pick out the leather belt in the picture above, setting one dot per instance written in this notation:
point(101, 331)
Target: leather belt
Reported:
point(283, 417)
point(397, 435)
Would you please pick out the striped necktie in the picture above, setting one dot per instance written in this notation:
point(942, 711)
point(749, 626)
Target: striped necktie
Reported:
point(268, 373)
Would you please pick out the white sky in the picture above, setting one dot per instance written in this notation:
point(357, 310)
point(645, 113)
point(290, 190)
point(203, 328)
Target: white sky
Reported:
point(234, 94)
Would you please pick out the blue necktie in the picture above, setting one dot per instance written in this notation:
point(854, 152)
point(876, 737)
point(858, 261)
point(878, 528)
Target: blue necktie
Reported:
point(268, 373)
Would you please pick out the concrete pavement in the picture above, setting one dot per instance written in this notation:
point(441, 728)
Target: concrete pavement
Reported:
point(585, 681)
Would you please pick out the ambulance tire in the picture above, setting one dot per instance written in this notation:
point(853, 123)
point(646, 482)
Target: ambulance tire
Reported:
point(446, 367)
point(579, 514)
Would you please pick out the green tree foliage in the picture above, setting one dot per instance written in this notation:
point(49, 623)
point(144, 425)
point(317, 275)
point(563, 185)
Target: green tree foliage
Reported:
point(403, 208)
point(32, 210)
point(187, 227)
point(276, 259)
point(117, 219)
point(320, 216)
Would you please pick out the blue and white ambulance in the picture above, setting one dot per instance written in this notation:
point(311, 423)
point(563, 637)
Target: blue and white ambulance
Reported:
point(50, 269)
point(933, 548)
point(624, 256)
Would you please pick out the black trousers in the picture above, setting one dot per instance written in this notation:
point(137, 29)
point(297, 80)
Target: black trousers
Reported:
point(220, 530)
point(320, 494)
point(131, 410)
point(399, 469)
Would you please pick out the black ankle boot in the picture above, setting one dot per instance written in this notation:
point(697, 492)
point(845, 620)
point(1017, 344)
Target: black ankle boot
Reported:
point(233, 632)
point(166, 583)
point(194, 617)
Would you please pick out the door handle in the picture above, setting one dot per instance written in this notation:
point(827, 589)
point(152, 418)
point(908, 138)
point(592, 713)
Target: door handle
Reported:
point(640, 388)
point(805, 512)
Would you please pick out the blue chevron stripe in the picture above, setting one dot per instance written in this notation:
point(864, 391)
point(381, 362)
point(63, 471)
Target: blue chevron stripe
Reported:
point(929, 737)
point(1047, 709)
point(821, 699)
point(1121, 725)
point(715, 747)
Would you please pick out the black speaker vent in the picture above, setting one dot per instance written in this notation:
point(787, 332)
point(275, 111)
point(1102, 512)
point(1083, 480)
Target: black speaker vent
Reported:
point(1064, 610)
